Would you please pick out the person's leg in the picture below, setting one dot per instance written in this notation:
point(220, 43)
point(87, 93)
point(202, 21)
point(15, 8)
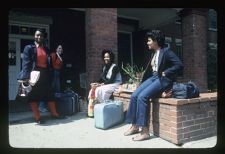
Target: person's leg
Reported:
point(104, 92)
point(37, 116)
point(57, 81)
point(131, 113)
point(52, 108)
point(132, 109)
point(143, 109)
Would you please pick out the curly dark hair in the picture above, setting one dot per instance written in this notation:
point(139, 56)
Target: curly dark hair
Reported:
point(111, 54)
point(157, 35)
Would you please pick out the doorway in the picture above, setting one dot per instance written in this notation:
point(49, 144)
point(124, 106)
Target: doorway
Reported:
point(14, 66)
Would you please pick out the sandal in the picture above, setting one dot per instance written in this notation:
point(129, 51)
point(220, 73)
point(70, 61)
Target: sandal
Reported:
point(131, 131)
point(144, 135)
point(141, 137)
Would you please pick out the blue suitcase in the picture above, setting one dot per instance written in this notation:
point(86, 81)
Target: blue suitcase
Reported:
point(108, 114)
point(67, 102)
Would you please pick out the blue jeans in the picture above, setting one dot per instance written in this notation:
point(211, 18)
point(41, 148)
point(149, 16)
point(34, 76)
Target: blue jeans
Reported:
point(43, 106)
point(139, 107)
point(56, 81)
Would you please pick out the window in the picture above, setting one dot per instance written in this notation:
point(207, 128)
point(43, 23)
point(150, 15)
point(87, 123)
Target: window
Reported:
point(212, 20)
point(178, 49)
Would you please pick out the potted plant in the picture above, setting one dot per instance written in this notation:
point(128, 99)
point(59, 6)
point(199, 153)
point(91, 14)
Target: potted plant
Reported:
point(135, 75)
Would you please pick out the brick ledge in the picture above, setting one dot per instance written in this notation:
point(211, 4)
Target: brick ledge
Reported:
point(204, 97)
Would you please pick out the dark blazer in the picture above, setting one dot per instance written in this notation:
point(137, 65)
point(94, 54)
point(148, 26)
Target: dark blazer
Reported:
point(29, 60)
point(168, 63)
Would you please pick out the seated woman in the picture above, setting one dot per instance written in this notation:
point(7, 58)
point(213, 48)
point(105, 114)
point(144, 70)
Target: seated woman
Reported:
point(110, 78)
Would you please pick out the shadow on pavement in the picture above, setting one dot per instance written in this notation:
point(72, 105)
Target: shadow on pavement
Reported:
point(22, 119)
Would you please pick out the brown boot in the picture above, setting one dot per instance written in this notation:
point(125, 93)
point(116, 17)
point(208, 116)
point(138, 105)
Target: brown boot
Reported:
point(37, 117)
point(54, 113)
point(133, 130)
point(144, 135)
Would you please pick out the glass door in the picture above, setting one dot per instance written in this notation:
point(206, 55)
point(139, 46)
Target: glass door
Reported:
point(14, 66)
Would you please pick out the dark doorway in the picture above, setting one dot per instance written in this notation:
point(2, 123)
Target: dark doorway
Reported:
point(124, 48)
point(124, 51)
point(67, 29)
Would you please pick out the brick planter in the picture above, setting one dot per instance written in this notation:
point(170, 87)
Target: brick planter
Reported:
point(181, 120)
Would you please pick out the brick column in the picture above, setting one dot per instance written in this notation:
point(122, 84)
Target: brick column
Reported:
point(101, 33)
point(194, 39)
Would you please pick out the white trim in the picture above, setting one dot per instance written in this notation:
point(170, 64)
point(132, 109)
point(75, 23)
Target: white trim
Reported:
point(213, 29)
point(212, 46)
point(178, 41)
point(29, 24)
point(168, 39)
point(33, 25)
point(127, 17)
point(21, 36)
point(168, 44)
point(78, 9)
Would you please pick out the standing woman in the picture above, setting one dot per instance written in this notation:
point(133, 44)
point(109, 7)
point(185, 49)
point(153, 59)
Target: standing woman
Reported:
point(57, 62)
point(37, 57)
point(110, 78)
point(164, 67)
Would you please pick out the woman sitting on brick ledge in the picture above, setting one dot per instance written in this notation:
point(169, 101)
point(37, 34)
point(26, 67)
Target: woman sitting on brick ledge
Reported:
point(110, 78)
point(164, 67)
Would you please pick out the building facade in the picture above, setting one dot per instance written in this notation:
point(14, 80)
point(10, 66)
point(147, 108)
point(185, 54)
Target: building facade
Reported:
point(84, 33)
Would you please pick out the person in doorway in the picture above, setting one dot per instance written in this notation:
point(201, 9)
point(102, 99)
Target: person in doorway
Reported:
point(39, 55)
point(110, 78)
point(57, 62)
point(165, 66)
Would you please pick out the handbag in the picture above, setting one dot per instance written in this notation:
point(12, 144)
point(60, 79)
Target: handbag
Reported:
point(23, 92)
point(185, 90)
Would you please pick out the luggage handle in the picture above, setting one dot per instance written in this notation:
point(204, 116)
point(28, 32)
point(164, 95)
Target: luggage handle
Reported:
point(73, 107)
point(111, 101)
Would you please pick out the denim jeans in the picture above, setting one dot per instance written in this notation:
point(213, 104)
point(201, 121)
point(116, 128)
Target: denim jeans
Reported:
point(56, 81)
point(43, 106)
point(139, 107)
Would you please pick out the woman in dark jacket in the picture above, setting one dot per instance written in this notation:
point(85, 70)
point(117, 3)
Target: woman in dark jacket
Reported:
point(110, 78)
point(37, 57)
point(164, 67)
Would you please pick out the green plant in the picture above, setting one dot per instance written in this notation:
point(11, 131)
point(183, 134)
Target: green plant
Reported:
point(135, 74)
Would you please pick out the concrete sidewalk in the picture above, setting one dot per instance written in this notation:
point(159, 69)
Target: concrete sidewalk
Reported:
point(78, 131)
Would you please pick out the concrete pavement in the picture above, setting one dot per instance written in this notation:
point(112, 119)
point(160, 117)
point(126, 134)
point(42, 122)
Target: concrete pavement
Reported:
point(78, 131)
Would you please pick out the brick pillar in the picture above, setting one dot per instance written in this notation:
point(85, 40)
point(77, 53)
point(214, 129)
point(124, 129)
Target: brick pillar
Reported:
point(101, 33)
point(194, 39)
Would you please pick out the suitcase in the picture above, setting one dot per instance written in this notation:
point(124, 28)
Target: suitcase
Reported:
point(67, 102)
point(108, 114)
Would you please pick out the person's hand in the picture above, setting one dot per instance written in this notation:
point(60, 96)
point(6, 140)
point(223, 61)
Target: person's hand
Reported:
point(94, 85)
point(167, 94)
point(23, 81)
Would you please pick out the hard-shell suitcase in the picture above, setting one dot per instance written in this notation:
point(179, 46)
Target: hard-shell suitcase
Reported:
point(108, 114)
point(67, 102)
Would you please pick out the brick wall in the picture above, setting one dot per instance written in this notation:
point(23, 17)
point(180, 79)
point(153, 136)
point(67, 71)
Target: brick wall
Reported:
point(101, 33)
point(181, 120)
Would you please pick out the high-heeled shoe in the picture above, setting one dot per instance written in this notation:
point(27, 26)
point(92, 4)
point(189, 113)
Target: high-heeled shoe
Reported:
point(40, 121)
